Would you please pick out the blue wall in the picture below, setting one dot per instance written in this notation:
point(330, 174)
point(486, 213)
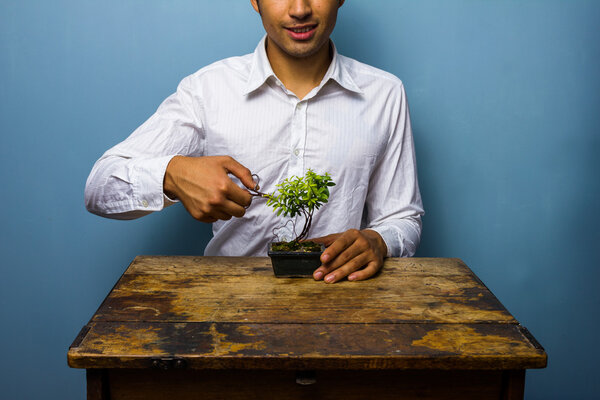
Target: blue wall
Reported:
point(504, 98)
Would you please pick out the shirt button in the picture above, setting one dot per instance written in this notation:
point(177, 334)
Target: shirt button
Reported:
point(145, 203)
point(296, 152)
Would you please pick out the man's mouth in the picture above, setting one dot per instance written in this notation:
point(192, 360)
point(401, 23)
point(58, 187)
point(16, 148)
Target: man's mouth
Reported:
point(304, 32)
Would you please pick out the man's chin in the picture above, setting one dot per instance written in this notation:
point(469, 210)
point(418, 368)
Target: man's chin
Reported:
point(297, 49)
point(303, 50)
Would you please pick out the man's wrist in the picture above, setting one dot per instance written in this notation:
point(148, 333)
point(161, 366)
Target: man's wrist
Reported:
point(170, 178)
point(378, 240)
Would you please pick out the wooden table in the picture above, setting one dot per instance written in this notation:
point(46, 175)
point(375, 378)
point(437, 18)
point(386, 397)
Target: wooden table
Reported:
point(226, 328)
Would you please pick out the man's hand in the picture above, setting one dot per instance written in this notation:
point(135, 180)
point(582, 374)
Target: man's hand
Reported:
point(348, 252)
point(205, 188)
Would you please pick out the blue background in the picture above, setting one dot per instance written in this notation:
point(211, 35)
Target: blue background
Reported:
point(504, 98)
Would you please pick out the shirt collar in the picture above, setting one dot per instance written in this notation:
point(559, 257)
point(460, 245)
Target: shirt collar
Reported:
point(339, 72)
point(261, 70)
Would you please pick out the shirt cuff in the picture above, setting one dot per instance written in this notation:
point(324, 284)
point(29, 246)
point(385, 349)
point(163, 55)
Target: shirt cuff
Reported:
point(148, 177)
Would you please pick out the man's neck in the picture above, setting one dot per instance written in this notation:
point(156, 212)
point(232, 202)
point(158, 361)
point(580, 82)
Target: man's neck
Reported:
point(299, 75)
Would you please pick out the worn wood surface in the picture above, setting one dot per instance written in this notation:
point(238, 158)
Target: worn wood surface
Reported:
point(230, 312)
point(230, 289)
point(307, 346)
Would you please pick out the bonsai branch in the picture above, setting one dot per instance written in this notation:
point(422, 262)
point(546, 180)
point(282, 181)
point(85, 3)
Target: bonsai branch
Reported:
point(298, 196)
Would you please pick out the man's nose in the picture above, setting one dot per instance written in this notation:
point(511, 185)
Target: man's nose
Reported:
point(300, 9)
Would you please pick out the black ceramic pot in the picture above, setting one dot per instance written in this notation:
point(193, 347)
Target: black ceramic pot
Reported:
point(294, 264)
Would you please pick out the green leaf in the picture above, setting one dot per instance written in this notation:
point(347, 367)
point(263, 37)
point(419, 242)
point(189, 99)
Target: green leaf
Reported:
point(300, 195)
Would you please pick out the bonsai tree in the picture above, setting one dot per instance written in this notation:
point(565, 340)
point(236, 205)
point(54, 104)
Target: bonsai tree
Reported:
point(299, 196)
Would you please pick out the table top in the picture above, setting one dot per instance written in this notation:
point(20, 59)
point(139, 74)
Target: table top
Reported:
point(232, 312)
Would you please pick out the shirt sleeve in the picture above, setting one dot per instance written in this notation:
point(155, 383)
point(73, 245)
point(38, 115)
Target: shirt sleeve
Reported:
point(393, 205)
point(127, 181)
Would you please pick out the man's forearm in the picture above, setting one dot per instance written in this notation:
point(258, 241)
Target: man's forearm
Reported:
point(125, 188)
point(401, 236)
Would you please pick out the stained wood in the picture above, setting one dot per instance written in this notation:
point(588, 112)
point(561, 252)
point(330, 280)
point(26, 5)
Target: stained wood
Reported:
point(308, 346)
point(244, 266)
point(229, 313)
point(228, 289)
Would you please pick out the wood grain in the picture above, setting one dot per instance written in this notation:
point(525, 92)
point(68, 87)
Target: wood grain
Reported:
point(232, 313)
point(307, 346)
point(244, 266)
point(229, 289)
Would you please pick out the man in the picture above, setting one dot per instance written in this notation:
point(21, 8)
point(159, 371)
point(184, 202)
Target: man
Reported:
point(293, 104)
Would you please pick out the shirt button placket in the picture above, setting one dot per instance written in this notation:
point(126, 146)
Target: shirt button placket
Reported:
point(297, 147)
point(298, 139)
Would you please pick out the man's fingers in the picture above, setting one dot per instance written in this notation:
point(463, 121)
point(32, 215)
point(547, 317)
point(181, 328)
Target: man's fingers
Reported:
point(345, 256)
point(238, 195)
point(206, 189)
point(338, 246)
point(217, 208)
point(370, 270)
point(348, 254)
point(346, 269)
point(232, 208)
point(337, 243)
point(241, 172)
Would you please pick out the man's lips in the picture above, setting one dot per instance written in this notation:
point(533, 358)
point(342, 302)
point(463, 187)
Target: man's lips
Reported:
point(302, 32)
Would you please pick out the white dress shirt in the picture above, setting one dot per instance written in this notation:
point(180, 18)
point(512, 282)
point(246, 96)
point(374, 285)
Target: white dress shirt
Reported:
point(355, 125)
